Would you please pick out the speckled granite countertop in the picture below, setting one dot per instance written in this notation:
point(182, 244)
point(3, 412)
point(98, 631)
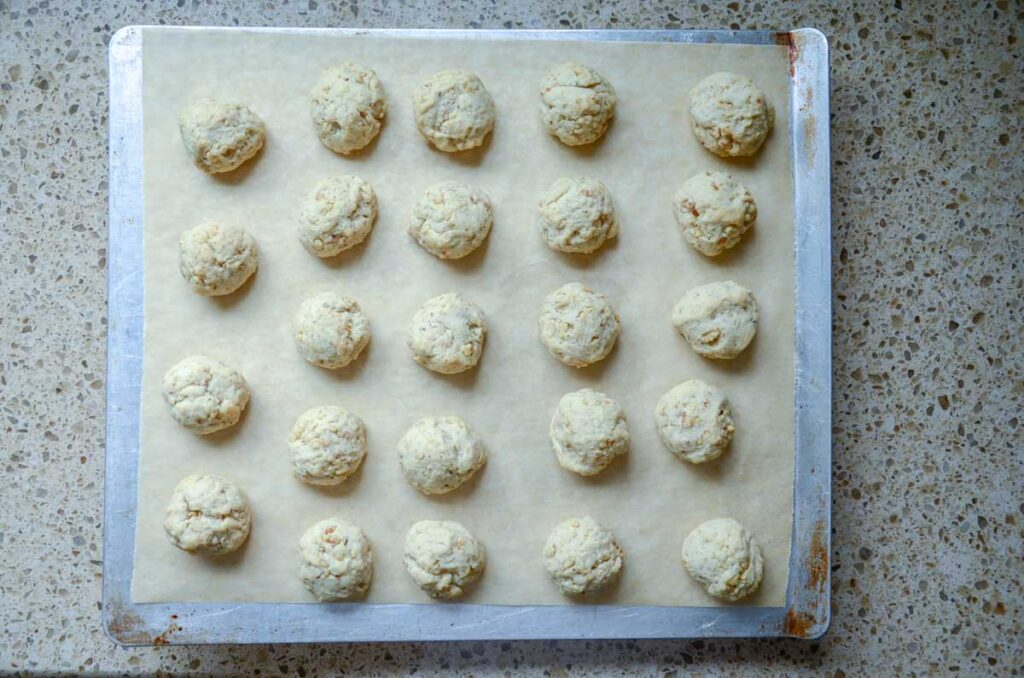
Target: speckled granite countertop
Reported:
point(928, 368)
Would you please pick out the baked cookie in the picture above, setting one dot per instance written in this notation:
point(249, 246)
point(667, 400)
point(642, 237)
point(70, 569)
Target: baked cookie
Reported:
point(217, 258)
point(722, 556)
point(443, 558)
point(577, 103)
point(337, 215)
point(336, 560)
point(714, 211)
point(327, 445)
point(451, 219)
point(447, 334)
point(454, 111)
point(694, 421)
point(205, 396)
point(718, 320)
point(729, 115)
point(588, 431)
point(578, 325)
point(577, 215)
point(207, 514)
point(438, 454)
point(348, 107)
point(220, 136)
point(331, 330)
point(581, 556)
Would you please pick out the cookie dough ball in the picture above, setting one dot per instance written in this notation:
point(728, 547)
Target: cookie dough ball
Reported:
point(337, 560)
point(447, 334)
point(729, 115)
point(216, 258)
point(220, 136)
point(451, 219)
point(331, 330)
point(337, 215)
point(348, 107)
point(714, 211)
point(577, 215)
point(208, 515)
point(577, 103)
point(694, 421)
point(438, 454)
point(588, 431)
point(454, 111)
point(443, 558)
point(327, 445)
point(581, 556)
point(205, 395)
point(718, 320)
point(578, 325)
point(724, 558)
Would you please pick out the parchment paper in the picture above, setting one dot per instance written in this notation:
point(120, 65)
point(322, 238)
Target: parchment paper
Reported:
point(650, 500)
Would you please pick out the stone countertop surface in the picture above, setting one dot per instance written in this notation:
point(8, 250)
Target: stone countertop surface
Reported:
point(928, 508)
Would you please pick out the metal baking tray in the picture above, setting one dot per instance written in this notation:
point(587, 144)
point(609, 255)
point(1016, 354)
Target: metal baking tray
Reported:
point(806, 613)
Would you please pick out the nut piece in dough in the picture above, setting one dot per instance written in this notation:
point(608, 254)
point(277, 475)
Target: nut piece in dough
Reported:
point(443, 558)
point(694, 421)
point(724, 558)
point(588, 431)
point(577, 103)
point(438, 454)
point(220, 136)
point(718, 320)
point(327, 445)
point(578, 325)
point(205, 395)
point(331, 330)
point(337, 215)
point(337, 560)
point(217, 258)
point(577, 215)
point(454, 111)
point(714, 211)
point(207, 514)
point(447, 334)
point(348, 106)
point(729, 115)
point(581, 556)
point(451, 219)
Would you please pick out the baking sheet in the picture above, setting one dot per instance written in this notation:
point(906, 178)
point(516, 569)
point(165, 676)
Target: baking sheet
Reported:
point(651, 501)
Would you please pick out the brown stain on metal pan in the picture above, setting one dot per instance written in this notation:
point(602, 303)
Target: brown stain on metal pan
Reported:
point(801, 623)
point(787, 39)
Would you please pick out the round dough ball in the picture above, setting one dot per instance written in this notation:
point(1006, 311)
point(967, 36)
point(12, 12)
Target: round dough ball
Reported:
point(578, 325)
point(443, 558)
point(577, 103)
point(348, 106)
point(577, 215)
point(718, 320)
point(327, 445)
point(729, 115)
point(724, 558)
point(694, 421)
point(217, 258)
point(207, 514)
point(337, 215)
point(447, 334)
point(451, 219)
point(714, 211)
point(438, 454)
point(205, 395)
point(221, 136)
point(588, 431)
point(337, 560)
point(331, 330)
point(581, 556)
point(454, 111)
